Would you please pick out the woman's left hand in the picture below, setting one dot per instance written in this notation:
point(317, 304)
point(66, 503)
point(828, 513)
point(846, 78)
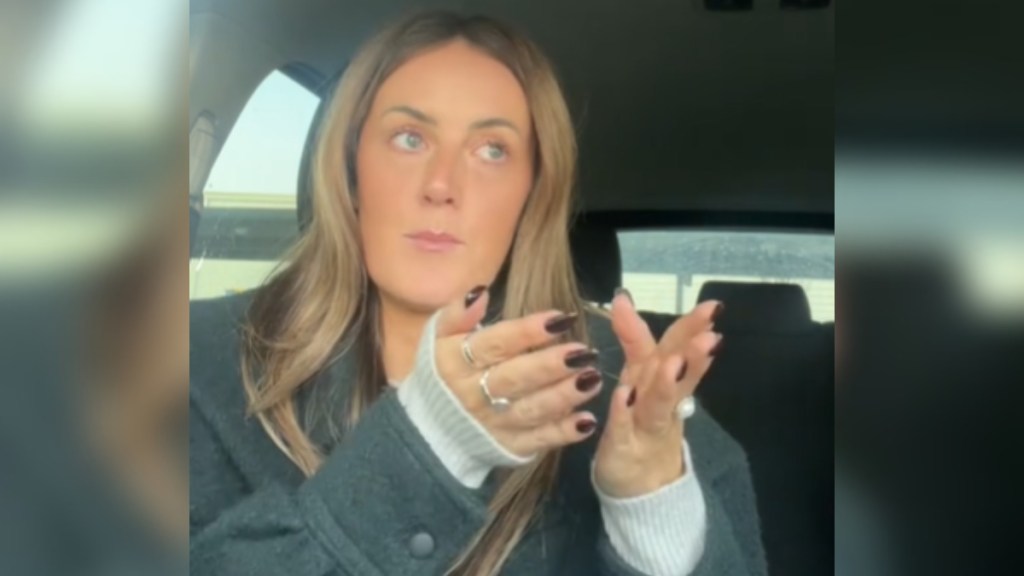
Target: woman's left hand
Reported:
point(641, 449)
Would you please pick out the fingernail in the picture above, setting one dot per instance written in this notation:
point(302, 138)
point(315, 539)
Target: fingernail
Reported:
point(585, 426)
point(588, 380)
point(560, 324)
point(717, 311)
point(716, 348)
point(475, 295)
point(632, 398)
point(580, 358)
point(682, 373)
point(623, 290)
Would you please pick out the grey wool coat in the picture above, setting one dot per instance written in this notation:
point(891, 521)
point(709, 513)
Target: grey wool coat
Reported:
point(383, 504)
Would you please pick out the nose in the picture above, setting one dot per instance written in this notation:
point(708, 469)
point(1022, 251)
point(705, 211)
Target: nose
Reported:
point(443, 185)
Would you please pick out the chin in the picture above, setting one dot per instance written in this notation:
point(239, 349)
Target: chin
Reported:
point(424, 286)
point(423, 296)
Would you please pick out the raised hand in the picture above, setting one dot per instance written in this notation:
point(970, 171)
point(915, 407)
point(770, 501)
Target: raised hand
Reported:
point(543, 387)
point(641, 449)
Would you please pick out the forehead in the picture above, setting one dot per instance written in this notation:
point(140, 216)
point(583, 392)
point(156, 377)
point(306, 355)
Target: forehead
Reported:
point(456, 81)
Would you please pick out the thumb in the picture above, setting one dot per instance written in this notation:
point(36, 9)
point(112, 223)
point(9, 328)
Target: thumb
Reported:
point(464, 314)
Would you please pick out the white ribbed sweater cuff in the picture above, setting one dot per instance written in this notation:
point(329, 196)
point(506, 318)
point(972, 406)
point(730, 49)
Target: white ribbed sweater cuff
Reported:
point(661, 533)
point(462, 444)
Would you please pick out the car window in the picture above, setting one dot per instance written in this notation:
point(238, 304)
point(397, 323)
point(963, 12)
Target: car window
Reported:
point(248, 218)
point(665, 270)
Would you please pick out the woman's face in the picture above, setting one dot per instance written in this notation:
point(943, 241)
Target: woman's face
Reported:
point(444, 167)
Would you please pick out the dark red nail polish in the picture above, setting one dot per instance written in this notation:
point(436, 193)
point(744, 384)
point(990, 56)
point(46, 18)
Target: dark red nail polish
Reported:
point(585, 426)
point(588, 380)
point(474, 295)
point(580, 359)
point(632, 398)
point(717, 311)
point(560, 324)
point(716, 348)
point(682, 373)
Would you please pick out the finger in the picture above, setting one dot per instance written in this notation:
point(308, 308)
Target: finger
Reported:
point(569, 430)
point(654, 412)
point(554, 402)
point(679, 334)
point(464, 314)
point(631, 330)
point(619, 429)
point(510, 338)
point(643, 379)
point(533, 371)
point(699, 357)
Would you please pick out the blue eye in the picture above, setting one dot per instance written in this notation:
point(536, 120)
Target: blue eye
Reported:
point(492, 152)
point(408, 141)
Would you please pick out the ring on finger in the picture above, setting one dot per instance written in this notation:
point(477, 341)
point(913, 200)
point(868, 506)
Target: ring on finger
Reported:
point(686, 408)
point(467, 352)
point(498, 403)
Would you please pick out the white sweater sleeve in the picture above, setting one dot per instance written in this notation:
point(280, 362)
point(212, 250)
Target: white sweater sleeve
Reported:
point(462, 444)
point(661, 533)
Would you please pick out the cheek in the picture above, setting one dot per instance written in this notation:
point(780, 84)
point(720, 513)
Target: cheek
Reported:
point(377, 197)
point(495, 219)
point(378, 182)
point(384, 187)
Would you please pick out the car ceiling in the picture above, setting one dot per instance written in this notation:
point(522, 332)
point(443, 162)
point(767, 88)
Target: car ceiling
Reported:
point(678, 108)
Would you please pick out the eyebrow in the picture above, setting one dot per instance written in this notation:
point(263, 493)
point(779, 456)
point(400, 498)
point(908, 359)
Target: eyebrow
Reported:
point(494, 123)
point(410, 111)
point(427, 119)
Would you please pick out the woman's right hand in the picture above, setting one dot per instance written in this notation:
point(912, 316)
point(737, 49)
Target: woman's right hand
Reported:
point(544, 386)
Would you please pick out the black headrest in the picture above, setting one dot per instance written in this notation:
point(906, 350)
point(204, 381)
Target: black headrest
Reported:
point(596, 258)
point(759, 307)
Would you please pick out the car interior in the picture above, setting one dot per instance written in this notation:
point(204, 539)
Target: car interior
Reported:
point(696, 115)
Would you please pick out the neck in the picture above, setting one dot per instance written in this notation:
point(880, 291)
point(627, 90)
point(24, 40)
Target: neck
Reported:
point(402, 329)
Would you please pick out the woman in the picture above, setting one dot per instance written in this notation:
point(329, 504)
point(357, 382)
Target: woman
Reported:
point(390, 433)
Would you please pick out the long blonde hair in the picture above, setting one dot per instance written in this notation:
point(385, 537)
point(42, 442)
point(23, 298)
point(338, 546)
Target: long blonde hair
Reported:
point(322, 302)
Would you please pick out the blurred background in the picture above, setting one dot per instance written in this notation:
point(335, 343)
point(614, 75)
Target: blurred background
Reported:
point(929, 287)
point(93, 305)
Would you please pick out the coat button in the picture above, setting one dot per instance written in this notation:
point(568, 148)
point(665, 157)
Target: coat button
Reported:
point(421, 545)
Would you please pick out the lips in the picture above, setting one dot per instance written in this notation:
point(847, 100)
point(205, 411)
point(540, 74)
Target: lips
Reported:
point(431, 241)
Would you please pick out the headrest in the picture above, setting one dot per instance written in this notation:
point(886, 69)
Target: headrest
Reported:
point(759, 307)
point(596, 258)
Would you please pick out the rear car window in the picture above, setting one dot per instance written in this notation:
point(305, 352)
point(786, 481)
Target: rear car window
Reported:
point(665, 270)
point(248, 219)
